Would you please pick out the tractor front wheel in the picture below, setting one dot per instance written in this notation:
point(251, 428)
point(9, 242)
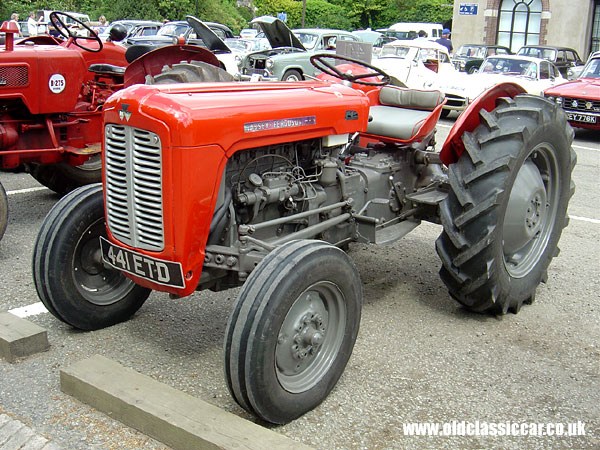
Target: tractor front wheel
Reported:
point(68, 272)
point(292, 330)
point(508, 205)
point(63, 178)
point(3, 211)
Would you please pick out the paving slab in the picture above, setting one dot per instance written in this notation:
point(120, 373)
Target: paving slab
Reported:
point(16, 435)
point(162, 412)
point(20, 337)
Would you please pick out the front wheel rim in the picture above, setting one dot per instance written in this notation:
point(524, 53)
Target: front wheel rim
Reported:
point(98, 284)
point(531, 212)
point(310, 337)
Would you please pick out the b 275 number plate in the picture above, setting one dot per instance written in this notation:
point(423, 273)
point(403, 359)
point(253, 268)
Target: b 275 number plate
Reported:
point(167, 273)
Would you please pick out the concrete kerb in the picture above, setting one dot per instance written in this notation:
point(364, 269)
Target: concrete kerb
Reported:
point(20, 338)
point(162, 412)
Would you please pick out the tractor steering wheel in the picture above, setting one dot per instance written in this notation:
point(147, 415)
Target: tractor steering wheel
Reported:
point(319, 61)
point(71, 37)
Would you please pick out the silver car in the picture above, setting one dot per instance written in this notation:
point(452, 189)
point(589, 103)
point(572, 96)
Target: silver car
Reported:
point(289, 56)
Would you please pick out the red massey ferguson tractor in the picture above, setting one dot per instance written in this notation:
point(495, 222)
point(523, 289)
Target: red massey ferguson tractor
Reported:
point(263, 186)
point(51, 98)
point(51, 106)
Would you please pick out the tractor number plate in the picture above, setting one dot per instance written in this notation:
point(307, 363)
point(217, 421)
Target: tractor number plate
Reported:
point(167, 273)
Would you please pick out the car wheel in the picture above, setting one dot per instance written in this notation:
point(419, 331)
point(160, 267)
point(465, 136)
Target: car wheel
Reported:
point(292, 75)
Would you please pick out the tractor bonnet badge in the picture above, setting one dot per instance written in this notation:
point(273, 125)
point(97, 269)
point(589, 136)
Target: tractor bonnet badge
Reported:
point(123, 113)
point(57, 83)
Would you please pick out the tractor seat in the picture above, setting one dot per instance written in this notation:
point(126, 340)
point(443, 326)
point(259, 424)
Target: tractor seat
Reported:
point(106, 69)
point(402, 112)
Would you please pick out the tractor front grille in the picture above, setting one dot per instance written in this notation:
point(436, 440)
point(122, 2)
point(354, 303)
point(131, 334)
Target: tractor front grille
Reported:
point(133, 175)
point(13, 76)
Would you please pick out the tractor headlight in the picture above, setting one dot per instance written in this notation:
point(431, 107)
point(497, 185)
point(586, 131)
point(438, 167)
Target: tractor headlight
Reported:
point(269, 63)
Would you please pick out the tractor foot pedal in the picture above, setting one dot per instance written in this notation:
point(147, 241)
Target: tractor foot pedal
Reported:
point(428, 196)
point(392, 233)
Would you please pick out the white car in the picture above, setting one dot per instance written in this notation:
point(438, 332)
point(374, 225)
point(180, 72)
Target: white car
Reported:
point(532, 74)
point(418, 63)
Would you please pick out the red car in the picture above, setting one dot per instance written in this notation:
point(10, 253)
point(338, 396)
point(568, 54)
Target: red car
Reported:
point(580, 98)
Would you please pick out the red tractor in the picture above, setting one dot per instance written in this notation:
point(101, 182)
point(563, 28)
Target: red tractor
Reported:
point(51, 105)
point(51, 97)
point(263, 186)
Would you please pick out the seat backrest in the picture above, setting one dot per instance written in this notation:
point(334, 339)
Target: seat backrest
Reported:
point(410, 98)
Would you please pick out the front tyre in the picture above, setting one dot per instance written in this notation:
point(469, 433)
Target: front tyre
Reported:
point(63, 177)
point(292, 330)
point(68, 272)
point(503, 218)
point(292, 75)
point(3, 211)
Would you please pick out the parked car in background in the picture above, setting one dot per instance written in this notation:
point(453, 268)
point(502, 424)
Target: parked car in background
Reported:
point(43, 15)
point(574, 72)
point(134, 28)
point(562, 57)
point(580, 98)
point(209, 35)
point(289, 56)
point(410, 30)
point(179, 30)
point(375, 38)
point(248, 33)
point(532, 74)
point(469, 57)
point(417, 63)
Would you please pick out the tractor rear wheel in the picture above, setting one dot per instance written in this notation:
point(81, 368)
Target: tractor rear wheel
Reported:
point(63, 178)
point(292, 330)
point(508, 205)
point(68, 272)
point(3, 211)
point(190, 72)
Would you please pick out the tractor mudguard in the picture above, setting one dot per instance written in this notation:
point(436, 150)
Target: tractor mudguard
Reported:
point(152, 62)
point(469, 119)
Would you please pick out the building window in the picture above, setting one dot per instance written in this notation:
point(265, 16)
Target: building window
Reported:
point(519, 23)
point(596, 28)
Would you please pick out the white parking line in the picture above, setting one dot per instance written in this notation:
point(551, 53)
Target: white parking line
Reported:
point(29, 310)
point(583, 147)
point(24, 191)
point(584, 219)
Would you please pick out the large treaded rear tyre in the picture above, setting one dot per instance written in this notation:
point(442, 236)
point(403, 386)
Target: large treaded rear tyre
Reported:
point(3, 211)
point(68, 273)
point(190, 72)
point(63, 178)
point(292, 330)
point(508, 205)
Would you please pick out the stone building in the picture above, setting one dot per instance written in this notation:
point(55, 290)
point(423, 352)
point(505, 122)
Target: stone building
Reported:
point(513, 23)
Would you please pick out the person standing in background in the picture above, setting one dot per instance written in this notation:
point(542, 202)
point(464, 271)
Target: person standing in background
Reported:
point(14, 17)
point(32, 25)
point(445, 40)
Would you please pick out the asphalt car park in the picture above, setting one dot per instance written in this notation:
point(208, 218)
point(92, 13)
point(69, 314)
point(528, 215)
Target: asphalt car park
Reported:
point(419, 357)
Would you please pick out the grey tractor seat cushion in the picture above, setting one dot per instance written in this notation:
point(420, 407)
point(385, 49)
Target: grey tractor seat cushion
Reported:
point(402, 112)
